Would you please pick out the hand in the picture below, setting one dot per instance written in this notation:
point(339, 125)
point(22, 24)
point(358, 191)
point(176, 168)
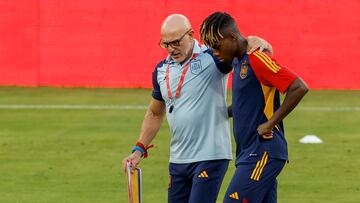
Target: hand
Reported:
point(134, 160)
point(265, 131)
point(255, 43)
point(229, 110)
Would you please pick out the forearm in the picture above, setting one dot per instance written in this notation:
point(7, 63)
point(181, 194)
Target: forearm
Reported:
point(229, 110)
point(150, 126)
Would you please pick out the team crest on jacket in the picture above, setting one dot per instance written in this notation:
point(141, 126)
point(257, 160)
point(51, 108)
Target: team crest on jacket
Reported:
point(195, 67)
point(244, 69)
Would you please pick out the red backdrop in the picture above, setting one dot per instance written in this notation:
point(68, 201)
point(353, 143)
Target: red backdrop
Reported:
point(113, 43)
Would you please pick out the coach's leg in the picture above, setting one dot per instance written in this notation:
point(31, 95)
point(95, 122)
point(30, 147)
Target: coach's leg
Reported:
point(179, 184)
point(207, 179)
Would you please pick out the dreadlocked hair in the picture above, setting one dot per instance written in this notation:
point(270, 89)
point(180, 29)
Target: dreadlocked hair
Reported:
point(210, 29)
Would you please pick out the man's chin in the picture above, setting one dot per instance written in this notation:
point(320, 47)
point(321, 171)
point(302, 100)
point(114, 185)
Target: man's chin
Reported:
point(225, 60)
point(178, 59)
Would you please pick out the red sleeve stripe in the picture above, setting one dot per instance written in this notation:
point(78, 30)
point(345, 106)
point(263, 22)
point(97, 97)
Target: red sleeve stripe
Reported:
point(267, 61)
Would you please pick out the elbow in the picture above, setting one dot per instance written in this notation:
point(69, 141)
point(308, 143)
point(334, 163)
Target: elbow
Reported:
point(304, 89)
point(229, 110)
point(301, 87)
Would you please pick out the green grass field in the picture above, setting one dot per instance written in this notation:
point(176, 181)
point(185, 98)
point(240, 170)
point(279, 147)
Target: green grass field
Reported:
point(74, 155)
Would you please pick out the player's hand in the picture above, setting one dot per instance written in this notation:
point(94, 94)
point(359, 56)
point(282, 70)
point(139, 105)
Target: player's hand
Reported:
point(255, 42)
point(134, 160)
point(265, 131)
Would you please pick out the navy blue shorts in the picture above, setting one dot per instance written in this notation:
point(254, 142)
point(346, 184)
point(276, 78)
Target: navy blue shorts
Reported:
point(255, 182)
point(196, 182)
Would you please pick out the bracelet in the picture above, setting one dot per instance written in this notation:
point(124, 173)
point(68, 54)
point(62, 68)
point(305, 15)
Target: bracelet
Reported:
point(141, 148)
point(137, 148)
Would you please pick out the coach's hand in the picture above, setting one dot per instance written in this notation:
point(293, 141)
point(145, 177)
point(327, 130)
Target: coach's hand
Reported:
point(255, 42)
point(265, 131)
point(134, 160)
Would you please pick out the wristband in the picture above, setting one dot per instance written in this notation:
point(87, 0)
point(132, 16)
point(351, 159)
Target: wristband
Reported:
point(137, 148)
point(141, 148)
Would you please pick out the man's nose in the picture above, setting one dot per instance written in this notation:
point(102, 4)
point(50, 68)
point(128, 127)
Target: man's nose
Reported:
point(170, 49)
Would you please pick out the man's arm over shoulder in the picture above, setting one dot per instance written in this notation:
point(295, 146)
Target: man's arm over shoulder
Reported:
point(254, 43)
point(222, 66)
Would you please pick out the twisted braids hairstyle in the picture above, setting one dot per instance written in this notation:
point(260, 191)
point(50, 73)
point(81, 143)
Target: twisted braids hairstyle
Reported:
point(211, 27)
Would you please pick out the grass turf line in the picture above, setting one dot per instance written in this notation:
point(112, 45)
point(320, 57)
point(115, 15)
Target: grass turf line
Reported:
point(70, 155)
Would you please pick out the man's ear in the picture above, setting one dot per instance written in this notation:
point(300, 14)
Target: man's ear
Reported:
point(191, 33)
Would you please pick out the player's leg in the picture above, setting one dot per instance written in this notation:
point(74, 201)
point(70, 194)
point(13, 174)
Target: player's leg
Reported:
point(253, 181)
point(207, 179)
point(271, 196)
point(179, 184)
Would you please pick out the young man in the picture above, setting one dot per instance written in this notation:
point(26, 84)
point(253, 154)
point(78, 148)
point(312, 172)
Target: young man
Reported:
point(190, 88)
point(261, 148)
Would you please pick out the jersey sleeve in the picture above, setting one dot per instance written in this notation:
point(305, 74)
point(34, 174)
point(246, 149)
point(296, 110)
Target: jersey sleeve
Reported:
point(271, 73)
point(156, 93)
point(221, 66)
